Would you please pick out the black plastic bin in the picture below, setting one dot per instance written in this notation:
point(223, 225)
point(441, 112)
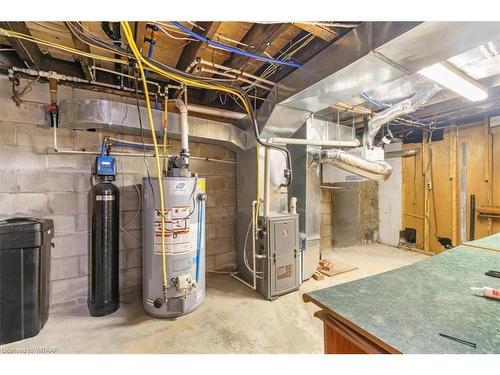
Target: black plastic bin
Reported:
point(25, 245)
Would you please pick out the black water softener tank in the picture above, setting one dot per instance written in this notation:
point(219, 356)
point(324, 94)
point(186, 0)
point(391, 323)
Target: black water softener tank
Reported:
point(25, 244)
point(104, 297)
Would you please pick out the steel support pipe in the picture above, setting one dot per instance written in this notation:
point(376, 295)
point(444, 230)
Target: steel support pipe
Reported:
point(312, 142)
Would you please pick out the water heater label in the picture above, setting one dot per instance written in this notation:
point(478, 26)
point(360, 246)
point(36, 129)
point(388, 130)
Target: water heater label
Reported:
point(177, 230)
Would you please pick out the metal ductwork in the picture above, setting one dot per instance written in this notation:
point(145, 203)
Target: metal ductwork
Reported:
point(373, 54)
point(402, 108)
point(117, 117)
point(374, 170)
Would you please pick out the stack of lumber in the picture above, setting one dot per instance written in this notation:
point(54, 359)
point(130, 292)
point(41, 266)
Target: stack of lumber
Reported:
point(325, 267)
point(329, 268)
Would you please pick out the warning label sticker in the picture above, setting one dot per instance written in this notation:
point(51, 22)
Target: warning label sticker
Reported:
point(177, 230)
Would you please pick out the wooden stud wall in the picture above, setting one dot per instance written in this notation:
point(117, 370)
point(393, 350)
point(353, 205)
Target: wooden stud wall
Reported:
point(483, 180)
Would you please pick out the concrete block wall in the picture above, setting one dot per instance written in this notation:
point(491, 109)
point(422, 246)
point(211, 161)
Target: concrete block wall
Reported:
point(355, 213)
point(38, 183)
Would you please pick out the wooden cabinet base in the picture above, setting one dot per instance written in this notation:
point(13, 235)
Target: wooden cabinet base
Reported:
point(342, 339)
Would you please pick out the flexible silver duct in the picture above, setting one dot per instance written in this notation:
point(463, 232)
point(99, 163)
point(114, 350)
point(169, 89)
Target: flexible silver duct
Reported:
point(402, 108)
point(374, 170)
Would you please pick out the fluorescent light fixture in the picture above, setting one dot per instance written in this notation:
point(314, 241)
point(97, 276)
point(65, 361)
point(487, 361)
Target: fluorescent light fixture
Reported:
point(447, 75)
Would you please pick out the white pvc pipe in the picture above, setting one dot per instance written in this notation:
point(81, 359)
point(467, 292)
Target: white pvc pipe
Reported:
point(184, 123)
point(215, 112)
point(267, 181)
point(312, 142)
point(254, 205)
point(293, 205)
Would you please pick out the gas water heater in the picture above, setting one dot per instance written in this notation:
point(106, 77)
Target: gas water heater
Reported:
point(184, 202)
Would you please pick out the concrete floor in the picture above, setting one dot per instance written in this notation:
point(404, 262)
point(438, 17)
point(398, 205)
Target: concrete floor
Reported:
point(233, 318)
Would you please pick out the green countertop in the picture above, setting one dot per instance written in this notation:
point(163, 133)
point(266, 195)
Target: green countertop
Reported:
point(491, 242)
point(408, 307)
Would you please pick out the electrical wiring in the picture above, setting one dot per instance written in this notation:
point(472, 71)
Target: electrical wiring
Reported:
point(233, 49)
point(186, 78)
point(220, 36)
point(174, 37)
point(123, 52)
point(165, 71)
point(137, 54)
point(17, 95)
point(195, 25)
point(172, 29)
point(123, 228)
point(107, 41)
point(29, 38)
point(287, 54)
point(97, 42)
point(142, 136)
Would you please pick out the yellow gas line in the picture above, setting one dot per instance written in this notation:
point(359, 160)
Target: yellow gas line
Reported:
point(137, 55)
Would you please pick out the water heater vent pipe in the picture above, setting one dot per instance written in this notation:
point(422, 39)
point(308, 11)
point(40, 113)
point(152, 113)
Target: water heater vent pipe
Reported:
point(184, 124)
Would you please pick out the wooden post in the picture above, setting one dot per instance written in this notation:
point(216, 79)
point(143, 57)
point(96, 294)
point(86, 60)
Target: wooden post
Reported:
point(426, 179)
point(488, 167)
point(454, 184)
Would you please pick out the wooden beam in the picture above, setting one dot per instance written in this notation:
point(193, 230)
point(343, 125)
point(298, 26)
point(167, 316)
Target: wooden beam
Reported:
point(28, 51)
point(85, 62)
point(140, 33)
point(194, 49)
point(322, 32)
point(259, 36)
point(304, 55)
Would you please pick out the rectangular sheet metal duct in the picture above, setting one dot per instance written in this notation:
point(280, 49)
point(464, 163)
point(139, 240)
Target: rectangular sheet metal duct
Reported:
point(373, 54)
point(117, 117)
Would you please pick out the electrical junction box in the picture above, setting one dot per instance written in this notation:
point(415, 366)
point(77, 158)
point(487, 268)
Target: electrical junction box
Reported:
point(279, 243)
point(332, 174)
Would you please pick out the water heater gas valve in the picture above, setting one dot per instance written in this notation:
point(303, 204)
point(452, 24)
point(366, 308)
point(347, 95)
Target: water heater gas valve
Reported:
point(184, 283)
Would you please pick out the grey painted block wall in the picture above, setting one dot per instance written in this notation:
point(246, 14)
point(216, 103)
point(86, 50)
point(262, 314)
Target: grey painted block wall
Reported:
point(37, 183)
